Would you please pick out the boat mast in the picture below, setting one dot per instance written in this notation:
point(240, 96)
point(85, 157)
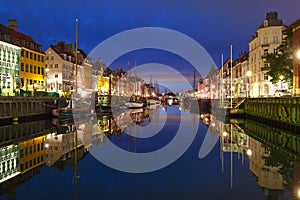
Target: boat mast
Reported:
point(76, 57)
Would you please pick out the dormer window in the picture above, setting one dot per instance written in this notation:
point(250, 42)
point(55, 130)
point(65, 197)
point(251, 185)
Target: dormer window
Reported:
point(266, 24)
point(32, 45)
point(22, 41)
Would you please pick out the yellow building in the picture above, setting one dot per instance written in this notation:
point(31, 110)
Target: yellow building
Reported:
point(31, 153)
point(32, 59)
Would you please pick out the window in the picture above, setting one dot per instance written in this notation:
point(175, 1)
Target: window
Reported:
point(265, 40)
point(42, 58)
point(56, 75)
point(30, 81)
point(22, 66)
point(22, 53)
point(42, 71)
point(265, 52)
point(47, 58)
point(56, 65)
point(26, 53)
point(21, 153)
point(276, 40)
point(39, 70)
point(50, 66)
point(26, 151)
point(30, 55)
point(34, 56)
point(266, 77)
point(52, 57)
point(30, 69)
point(39, 58)
point(34, 70)
point(26, 68)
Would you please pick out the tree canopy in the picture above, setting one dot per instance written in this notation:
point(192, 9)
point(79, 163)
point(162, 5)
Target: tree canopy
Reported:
point(280, 61)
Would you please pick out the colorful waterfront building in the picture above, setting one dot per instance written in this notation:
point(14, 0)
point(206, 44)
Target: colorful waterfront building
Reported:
point(32, 58)
point(10, 52)
point(265, 40)
point(61, 69)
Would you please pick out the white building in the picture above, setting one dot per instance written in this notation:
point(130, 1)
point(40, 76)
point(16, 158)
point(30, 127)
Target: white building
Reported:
point(266, 39)
point(9, 68)
point(61, 69)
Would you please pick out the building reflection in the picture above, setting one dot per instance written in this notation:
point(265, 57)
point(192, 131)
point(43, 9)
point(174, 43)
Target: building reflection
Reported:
point(273, 154)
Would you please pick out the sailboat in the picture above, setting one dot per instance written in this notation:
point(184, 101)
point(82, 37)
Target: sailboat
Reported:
point(135, 101)
point(76, 106)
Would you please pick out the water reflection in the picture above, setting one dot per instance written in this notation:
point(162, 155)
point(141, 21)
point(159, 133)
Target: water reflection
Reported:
point(273, 154)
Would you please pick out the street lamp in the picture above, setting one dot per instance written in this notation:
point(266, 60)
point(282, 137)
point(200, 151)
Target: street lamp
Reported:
point(298, 54)
point(248, 74)
point(281, 78)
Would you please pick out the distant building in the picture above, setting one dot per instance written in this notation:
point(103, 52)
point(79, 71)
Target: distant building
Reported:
point(32, 58)
point(265, 40)
point(239, 74)
point(296, 61)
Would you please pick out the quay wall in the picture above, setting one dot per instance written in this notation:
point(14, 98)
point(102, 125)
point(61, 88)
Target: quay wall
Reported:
point(18, 107)
point(283, 110)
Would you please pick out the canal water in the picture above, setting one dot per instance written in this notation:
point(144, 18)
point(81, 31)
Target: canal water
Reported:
point(161, 152)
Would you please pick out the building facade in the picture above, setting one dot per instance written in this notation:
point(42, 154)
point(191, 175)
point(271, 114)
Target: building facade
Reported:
point(31, 76)
point(9, 68)
point(266, 39)
point(61, 69)
point(296, 57)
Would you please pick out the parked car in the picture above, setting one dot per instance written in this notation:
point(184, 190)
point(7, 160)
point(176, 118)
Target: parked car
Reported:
point(282, 93)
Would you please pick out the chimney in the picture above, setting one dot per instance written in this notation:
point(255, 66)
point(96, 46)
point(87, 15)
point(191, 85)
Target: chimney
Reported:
point(13, 24)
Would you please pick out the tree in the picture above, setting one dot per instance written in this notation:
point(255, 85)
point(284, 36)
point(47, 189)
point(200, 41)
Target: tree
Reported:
point(280, 61)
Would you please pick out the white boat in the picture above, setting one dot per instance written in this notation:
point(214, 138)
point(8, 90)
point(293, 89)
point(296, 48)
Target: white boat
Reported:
point(134, 104)
point(151, 101)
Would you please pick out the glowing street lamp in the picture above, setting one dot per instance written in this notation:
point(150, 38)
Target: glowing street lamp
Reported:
point(298, 54)
point(248, 74)
point(281, 78)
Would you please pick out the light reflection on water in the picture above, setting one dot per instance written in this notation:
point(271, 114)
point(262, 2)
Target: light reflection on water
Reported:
point(38, 162)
